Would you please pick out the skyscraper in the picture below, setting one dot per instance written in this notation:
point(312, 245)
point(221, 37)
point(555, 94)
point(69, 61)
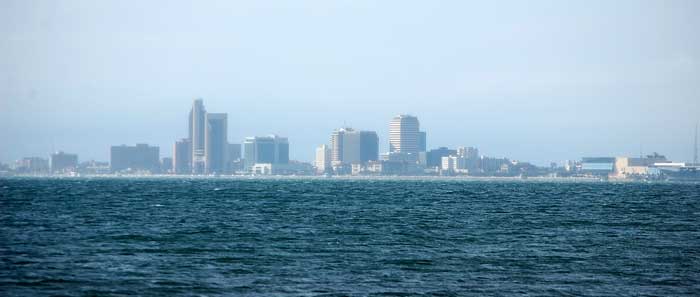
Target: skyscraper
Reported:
point(369, 146)
point(404, 135)
point(337, 142)
point(197, 125)
point(215, 142)
point(350, 146)
point(182, 156)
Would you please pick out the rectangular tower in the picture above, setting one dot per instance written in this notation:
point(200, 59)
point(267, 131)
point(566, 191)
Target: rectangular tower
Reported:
point(197, 132)
point(404, 135)
point(182, 156)
point(215, 142)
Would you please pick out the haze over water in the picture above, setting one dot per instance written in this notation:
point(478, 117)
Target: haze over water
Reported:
point(536, 81)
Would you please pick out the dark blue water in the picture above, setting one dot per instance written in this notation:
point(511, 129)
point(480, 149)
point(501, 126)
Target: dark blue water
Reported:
point(329, 237)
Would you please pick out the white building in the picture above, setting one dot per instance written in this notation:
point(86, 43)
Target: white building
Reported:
point(404, 135)
point(323, 159)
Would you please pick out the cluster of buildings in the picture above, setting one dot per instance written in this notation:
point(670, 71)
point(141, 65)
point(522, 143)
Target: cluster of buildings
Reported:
point(356, 152)
point(207, 151)
point(650, 167)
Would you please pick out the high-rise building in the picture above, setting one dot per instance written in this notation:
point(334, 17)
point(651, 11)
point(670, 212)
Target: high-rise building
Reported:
point(369, 146)
point(323, 159)
point(265, 150)
point(422, 141)
point(468, 158)
point(141, 157)
point(166, 165)
point(216, 143)
point(182, 156)
point(337, 143)
point(404, 135)
point(197, 127)
point(61, 162)
point(349, 146)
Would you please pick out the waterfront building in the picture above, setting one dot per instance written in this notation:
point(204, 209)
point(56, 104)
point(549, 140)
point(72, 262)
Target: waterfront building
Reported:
point(468, 158)
point(626, 167)
point(323, 159)
point(433, 157)
point(494, 166)
point(166, 165)
point(290, 168)
point(600, 166)
point(448, 165)
point(404, 135)
point(215, 142)
point(141, 157)
point(93, 167)
point(182, 156)
point(266, 150)
point(62, 162)
point(32, 165)
point(349, 146)
point(388, 167)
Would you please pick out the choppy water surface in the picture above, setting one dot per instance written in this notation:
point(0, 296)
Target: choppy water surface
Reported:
point(341, 237)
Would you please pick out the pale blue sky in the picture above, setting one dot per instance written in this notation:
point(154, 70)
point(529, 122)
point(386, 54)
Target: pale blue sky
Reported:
point(531, 80)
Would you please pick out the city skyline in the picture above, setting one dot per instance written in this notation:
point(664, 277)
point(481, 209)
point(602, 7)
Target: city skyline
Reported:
point(537, 81)
point(199, 110)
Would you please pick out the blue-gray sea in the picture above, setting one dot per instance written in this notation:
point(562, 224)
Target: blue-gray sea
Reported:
point(303, 237)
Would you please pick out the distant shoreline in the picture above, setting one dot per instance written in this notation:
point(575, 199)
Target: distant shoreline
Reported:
point(345, 178)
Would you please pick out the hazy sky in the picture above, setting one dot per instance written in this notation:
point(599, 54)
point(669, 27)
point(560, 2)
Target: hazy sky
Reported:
point(531, 80)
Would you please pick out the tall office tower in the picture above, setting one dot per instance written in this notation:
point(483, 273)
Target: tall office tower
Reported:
point(337, 144)
point(197, 135)
point(182, 156)
point(215, 142)
point(60, 161)
point(369, 146)
point(350, 146)
point(266, 150)
point(404, 134)
point(141, 157)
point(323, 159)
point(422, 141)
